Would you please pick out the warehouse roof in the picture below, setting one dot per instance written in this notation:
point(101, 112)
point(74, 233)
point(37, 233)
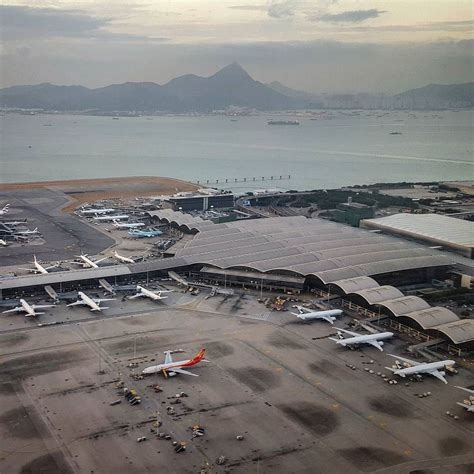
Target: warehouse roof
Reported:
point(405, 305)
point(435, 227)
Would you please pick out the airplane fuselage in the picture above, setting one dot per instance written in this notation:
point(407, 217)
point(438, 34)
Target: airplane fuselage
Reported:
point(154, 369)
point(424, 368)
point(27, 308)
point(332, 313)
point(88, 261)
point(149, 293)
point(40, 268)
point(365, 338)
point(89, 301)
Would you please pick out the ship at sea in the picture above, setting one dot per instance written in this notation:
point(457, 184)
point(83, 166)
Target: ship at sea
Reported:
point(283, 122)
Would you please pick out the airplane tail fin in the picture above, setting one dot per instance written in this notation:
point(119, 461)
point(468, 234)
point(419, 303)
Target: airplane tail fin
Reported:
point(199, 356)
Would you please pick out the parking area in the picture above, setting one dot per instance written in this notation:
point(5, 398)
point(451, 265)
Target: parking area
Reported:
point(299, 402)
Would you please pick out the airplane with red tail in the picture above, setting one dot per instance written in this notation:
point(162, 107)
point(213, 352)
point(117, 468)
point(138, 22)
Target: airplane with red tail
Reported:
point(170, 368)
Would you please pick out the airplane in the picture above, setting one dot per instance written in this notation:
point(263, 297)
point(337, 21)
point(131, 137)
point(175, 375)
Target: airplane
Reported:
point(28, 231)
point(144, 233)
point(128, 225)
point(93, 303)
point(88, 263)
point(414, 368)
point(148, 293)
point(13, 223)
point(29, 309)
point(3, 243)
point(469, 407)
point(122, 258)
point(4, 210)
point(111, 218)
point(375, 340)
point(307, 314)
point(170, 368)
point(96, 211)
point(38, 267)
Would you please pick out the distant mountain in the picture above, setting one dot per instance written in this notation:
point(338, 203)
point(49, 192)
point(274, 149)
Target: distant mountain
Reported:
point(438, 96)
point(231, 86)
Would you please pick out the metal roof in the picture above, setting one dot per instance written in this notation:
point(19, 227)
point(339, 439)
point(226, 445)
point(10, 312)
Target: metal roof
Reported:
point(431, 317)
point(405, 305)
point(458, 331)
point(434, 227)
point(181, 219)
point(351, 285)
point(379, 294)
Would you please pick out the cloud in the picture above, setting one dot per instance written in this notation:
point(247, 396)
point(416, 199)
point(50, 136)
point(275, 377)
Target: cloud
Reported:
point(281, 8)
point(353, 16)
point(20, 22)
point(257, 8)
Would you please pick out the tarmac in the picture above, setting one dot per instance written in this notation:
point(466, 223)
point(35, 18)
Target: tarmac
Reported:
point(276, 381)
point(64, 235)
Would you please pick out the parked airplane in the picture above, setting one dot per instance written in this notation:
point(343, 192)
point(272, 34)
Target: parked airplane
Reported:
point(144, 233)
point(28, 231)
point(170, 368)
point(128, 225)
point(122, 258)
point(308, 314)
point(111, 218)
point(29, 309)
point(4, 210)
point(149, 294)
point(88, 263)
point(375, 340)
point(13, 223)
point(468, 406)
point(3, 243)
point(38, 267)
point(97, 211)
point(414, 368)
point(93, 303)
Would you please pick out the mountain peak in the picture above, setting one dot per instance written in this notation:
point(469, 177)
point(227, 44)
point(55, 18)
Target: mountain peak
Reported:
point(234, 71)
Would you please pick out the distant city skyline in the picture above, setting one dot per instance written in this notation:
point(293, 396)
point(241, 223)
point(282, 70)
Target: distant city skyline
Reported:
point(380, 46)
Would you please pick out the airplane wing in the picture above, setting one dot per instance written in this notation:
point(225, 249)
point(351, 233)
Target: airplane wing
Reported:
point(137, 295)
point(28, 269)
point(329, 319)
point(437, 374)
point(412, 362)
point(99, 300)
point(375, 343)
point(469, 408)
point(101, 259)
point(184, 372)
point(13, 310)
point(41, 306)
point(348, 332)
point(468, 390)
point(78, 302)
point(302, 309)
point(168, 358)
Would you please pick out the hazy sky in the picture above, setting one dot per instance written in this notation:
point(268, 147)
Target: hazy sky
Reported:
point(319, 45)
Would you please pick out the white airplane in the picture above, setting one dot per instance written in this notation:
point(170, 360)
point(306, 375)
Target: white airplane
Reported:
point(3, 243)
point(149, 294)
point(170, 368)
point(28, 231)
point(88, 263)
point(4, 210)
point(38, 267)
point(13, 223)
point(375, 340)
point(111, 218)
point(469, 407)
point(122, 258)
point(128, 225)
point(414, 368)
point(308, 314)
point(96, 211)
point(29, 309)
point(93, 303)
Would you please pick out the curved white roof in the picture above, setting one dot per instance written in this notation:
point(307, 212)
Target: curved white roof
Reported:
point(405, 305)
point(434, 316)
point(458, 331)
point(379, 294)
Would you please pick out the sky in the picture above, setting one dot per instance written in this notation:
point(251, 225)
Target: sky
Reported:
point(333, 46)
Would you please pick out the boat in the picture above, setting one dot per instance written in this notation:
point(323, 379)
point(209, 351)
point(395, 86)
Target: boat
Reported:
point(283, 122)
point(395, 133)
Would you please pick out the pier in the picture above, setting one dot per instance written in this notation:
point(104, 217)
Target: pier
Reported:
point(253, 179)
